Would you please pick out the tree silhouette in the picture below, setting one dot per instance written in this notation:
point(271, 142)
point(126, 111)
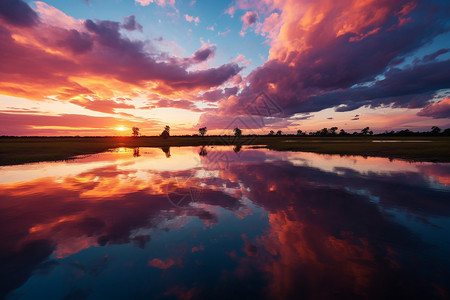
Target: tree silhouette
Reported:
point(166, 132)
point(333, 130)
point(203, 151)
point(202, 131)
point(435, 130)
point(166, 151)
point(299, 132)
point(279, 132)
point(365, 131)
point(343, 132)
point(237, 131)
point(323, 131)
point(271, 132)
point(136, 132)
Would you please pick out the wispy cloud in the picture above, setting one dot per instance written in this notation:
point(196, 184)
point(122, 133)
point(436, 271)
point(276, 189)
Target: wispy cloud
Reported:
point(190, 19)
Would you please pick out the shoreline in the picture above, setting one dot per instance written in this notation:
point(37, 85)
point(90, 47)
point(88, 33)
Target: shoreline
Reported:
point(20, 150)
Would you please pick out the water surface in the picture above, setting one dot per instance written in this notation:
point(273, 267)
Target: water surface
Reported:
point(224, 223)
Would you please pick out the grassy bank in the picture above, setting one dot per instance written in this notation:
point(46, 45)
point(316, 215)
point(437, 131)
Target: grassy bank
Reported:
point(437, 150)
point(32, 149)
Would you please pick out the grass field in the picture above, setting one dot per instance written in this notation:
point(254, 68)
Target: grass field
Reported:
point(33, 149)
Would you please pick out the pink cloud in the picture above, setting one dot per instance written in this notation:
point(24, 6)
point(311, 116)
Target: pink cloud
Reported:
point(160, 264)
point(190, 19)
point(241, 59)
point(218, 94)
point(262, 6)
point(438, 110)
point(158, 2)
point(93, 58)
point(323, 55)
point(224, 33)
point(197, 248)
point(106, 106)
point(270, 26)
point(182, 104)
point(249, 20)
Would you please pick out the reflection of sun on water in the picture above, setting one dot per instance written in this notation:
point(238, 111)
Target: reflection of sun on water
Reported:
point(122, 150)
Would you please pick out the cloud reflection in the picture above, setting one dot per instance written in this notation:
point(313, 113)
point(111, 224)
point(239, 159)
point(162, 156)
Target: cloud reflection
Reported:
point(283, 224)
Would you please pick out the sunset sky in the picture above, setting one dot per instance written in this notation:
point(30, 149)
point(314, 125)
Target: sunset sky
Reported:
point(100, 67)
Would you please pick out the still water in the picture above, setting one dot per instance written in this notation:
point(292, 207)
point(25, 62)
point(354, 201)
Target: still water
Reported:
point(224, 223)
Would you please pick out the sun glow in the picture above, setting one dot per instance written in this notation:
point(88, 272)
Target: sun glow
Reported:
point(121, 128)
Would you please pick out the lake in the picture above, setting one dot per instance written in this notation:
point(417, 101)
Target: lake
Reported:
point(224, 223)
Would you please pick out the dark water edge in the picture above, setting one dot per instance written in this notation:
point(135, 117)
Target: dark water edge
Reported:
point(221, 222)
point(22, 150)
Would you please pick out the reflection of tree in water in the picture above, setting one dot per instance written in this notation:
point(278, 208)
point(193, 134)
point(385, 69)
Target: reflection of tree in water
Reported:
point(136, 152)
point(203, 151)
point(237, 148)
point(166, 150)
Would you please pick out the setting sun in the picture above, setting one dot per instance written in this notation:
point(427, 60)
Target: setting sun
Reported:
point(121, 128)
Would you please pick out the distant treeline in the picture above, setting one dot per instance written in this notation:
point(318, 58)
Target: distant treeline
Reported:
point(325, 132)
point(333, 131)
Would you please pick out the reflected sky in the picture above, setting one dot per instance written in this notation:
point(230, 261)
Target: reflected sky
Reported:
point(224, 222)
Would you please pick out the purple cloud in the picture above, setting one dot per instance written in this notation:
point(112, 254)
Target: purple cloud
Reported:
point(130, 24)
point(203, 54)
point(97, 50)
point(439, 110)
point(431, 57)
point(105, 106)
point(249, 19)
point(18, 13)
point(317, 66)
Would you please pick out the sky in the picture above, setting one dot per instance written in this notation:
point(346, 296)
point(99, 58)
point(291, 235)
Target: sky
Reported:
point(100, 67)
